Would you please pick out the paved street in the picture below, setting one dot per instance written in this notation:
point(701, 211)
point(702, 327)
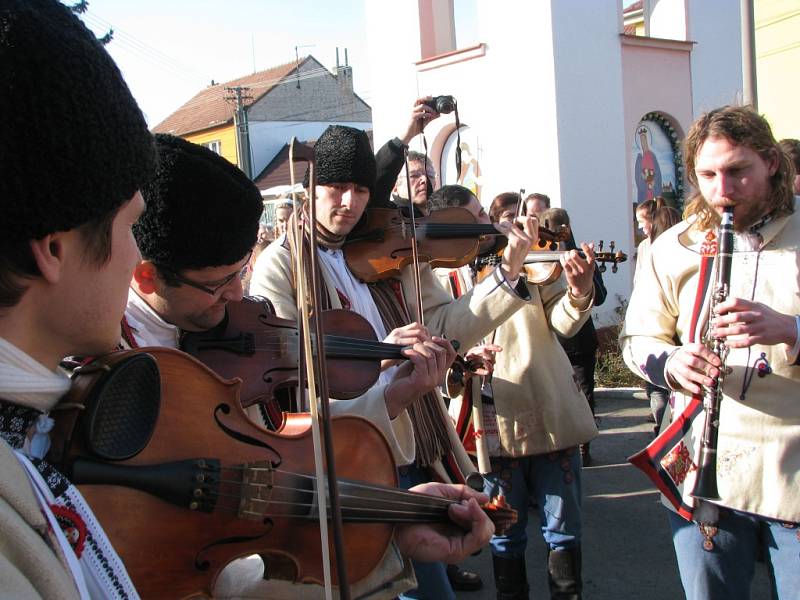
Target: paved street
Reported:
point(627, 551)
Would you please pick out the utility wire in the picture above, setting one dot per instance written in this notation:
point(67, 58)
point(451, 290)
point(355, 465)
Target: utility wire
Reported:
point(144, 51)
point(255, 87)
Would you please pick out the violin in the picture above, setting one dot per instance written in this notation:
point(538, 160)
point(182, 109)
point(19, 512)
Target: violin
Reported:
point(263, 350)
point(194, 484)
point(381, 247)
point(543, 267)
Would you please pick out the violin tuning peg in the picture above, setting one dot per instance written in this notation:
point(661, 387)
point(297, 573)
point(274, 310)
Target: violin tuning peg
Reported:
point(614, 268)
point(601, 267)
point(611, 246)
point(553, 246)
point(600, 246)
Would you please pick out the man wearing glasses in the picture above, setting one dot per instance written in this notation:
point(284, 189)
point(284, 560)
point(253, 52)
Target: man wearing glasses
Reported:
point(421, 177)
point(195, 238)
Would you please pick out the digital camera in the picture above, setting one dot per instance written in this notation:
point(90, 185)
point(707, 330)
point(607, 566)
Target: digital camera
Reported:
point(442, 104)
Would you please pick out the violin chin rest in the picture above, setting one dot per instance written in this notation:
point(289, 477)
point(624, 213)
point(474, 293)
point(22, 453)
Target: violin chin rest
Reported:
point(122, 408)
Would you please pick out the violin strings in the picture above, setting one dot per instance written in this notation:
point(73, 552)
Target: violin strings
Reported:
point(359, 484)
point(364, 486)
point(412, 508)
point(479, 228)
point(554, 255)
point(313, 491)
point(355, 513)
point(340, 343)
point(414, 514)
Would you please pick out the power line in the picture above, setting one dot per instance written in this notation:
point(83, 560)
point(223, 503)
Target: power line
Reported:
point(262, 85)
point(145, 51)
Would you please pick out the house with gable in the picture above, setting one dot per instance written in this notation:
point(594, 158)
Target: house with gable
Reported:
point(297, 99)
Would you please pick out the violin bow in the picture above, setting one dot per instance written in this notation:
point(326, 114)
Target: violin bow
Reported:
point(414, 252)
point(315, 362)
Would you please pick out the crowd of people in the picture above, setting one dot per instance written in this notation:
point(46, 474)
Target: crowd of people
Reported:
point(129, 241)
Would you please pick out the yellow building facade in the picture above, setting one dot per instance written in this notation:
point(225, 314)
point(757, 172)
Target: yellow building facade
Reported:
point(778, 64)
point(221, 140)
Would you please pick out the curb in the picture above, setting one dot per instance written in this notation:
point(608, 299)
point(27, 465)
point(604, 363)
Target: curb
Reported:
point(633, 393)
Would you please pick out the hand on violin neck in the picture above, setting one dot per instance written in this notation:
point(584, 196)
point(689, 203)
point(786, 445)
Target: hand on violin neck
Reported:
point(443, 543)
point(522, 234)
point(579, 271)
point(424, 371)
point(407, 335)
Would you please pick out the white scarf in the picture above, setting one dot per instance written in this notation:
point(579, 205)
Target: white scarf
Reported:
point(25, 381)
point(359, 296)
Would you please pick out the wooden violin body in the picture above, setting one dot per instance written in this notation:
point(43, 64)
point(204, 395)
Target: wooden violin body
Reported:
point(543, 267)
point(381, 248)
point(263, 350)
point(235, 502)
point(183, 482)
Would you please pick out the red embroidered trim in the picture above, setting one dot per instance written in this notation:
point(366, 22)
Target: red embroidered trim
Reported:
point(678, 463)
point(72, 525)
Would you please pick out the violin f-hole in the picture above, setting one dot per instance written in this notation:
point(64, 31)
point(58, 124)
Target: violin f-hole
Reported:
point(204, 564)
point(225, 409)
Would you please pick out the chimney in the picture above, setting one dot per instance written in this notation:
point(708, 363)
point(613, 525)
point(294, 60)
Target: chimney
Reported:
point(344, 74)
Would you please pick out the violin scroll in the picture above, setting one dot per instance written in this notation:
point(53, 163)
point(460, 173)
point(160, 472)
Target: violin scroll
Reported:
point(601, 258)
point(500, 513)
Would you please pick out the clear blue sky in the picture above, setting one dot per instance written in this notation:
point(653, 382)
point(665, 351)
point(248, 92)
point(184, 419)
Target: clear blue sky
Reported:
point(168, 50)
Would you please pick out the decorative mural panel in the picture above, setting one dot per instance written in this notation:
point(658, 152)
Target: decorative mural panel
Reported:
point(657, 170)
point(470, 174)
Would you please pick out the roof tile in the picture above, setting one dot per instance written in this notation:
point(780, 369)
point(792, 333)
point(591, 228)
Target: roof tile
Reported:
point(208, 108)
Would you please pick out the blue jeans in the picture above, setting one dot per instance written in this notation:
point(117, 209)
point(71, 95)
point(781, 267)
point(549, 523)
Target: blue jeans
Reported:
point(725, 571)
point(554, 482)
point(432, 581)
point(659, 398)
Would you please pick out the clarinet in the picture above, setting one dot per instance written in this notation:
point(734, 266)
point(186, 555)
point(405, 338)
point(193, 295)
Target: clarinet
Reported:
point(706, 483)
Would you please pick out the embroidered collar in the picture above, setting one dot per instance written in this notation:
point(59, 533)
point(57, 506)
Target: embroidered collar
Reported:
point(755, 228)
point(15, 422)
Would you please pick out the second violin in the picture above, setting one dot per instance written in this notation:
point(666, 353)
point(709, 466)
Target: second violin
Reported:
point(263, 350)
point(447, 238)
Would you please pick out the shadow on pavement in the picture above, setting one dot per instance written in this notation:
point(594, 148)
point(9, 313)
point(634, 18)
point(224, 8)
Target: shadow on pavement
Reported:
point(627, 547)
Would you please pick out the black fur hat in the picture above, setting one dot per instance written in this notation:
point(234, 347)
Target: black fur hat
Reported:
point(74, 145)
point(202, 211)
point(343, 155)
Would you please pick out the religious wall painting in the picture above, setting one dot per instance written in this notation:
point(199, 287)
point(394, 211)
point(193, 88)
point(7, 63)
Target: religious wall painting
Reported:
point(470, 173)
point(657, 169)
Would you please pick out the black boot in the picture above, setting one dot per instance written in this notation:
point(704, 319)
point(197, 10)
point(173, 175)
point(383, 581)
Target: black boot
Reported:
point(564, 574)
point(462, 580)
point(510, 578)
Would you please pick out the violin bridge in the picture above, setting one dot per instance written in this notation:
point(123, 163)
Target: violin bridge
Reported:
point(256, 490)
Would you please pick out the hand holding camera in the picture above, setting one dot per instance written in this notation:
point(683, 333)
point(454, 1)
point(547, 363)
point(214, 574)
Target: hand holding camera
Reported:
point(443, 105)
point(425, 110)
